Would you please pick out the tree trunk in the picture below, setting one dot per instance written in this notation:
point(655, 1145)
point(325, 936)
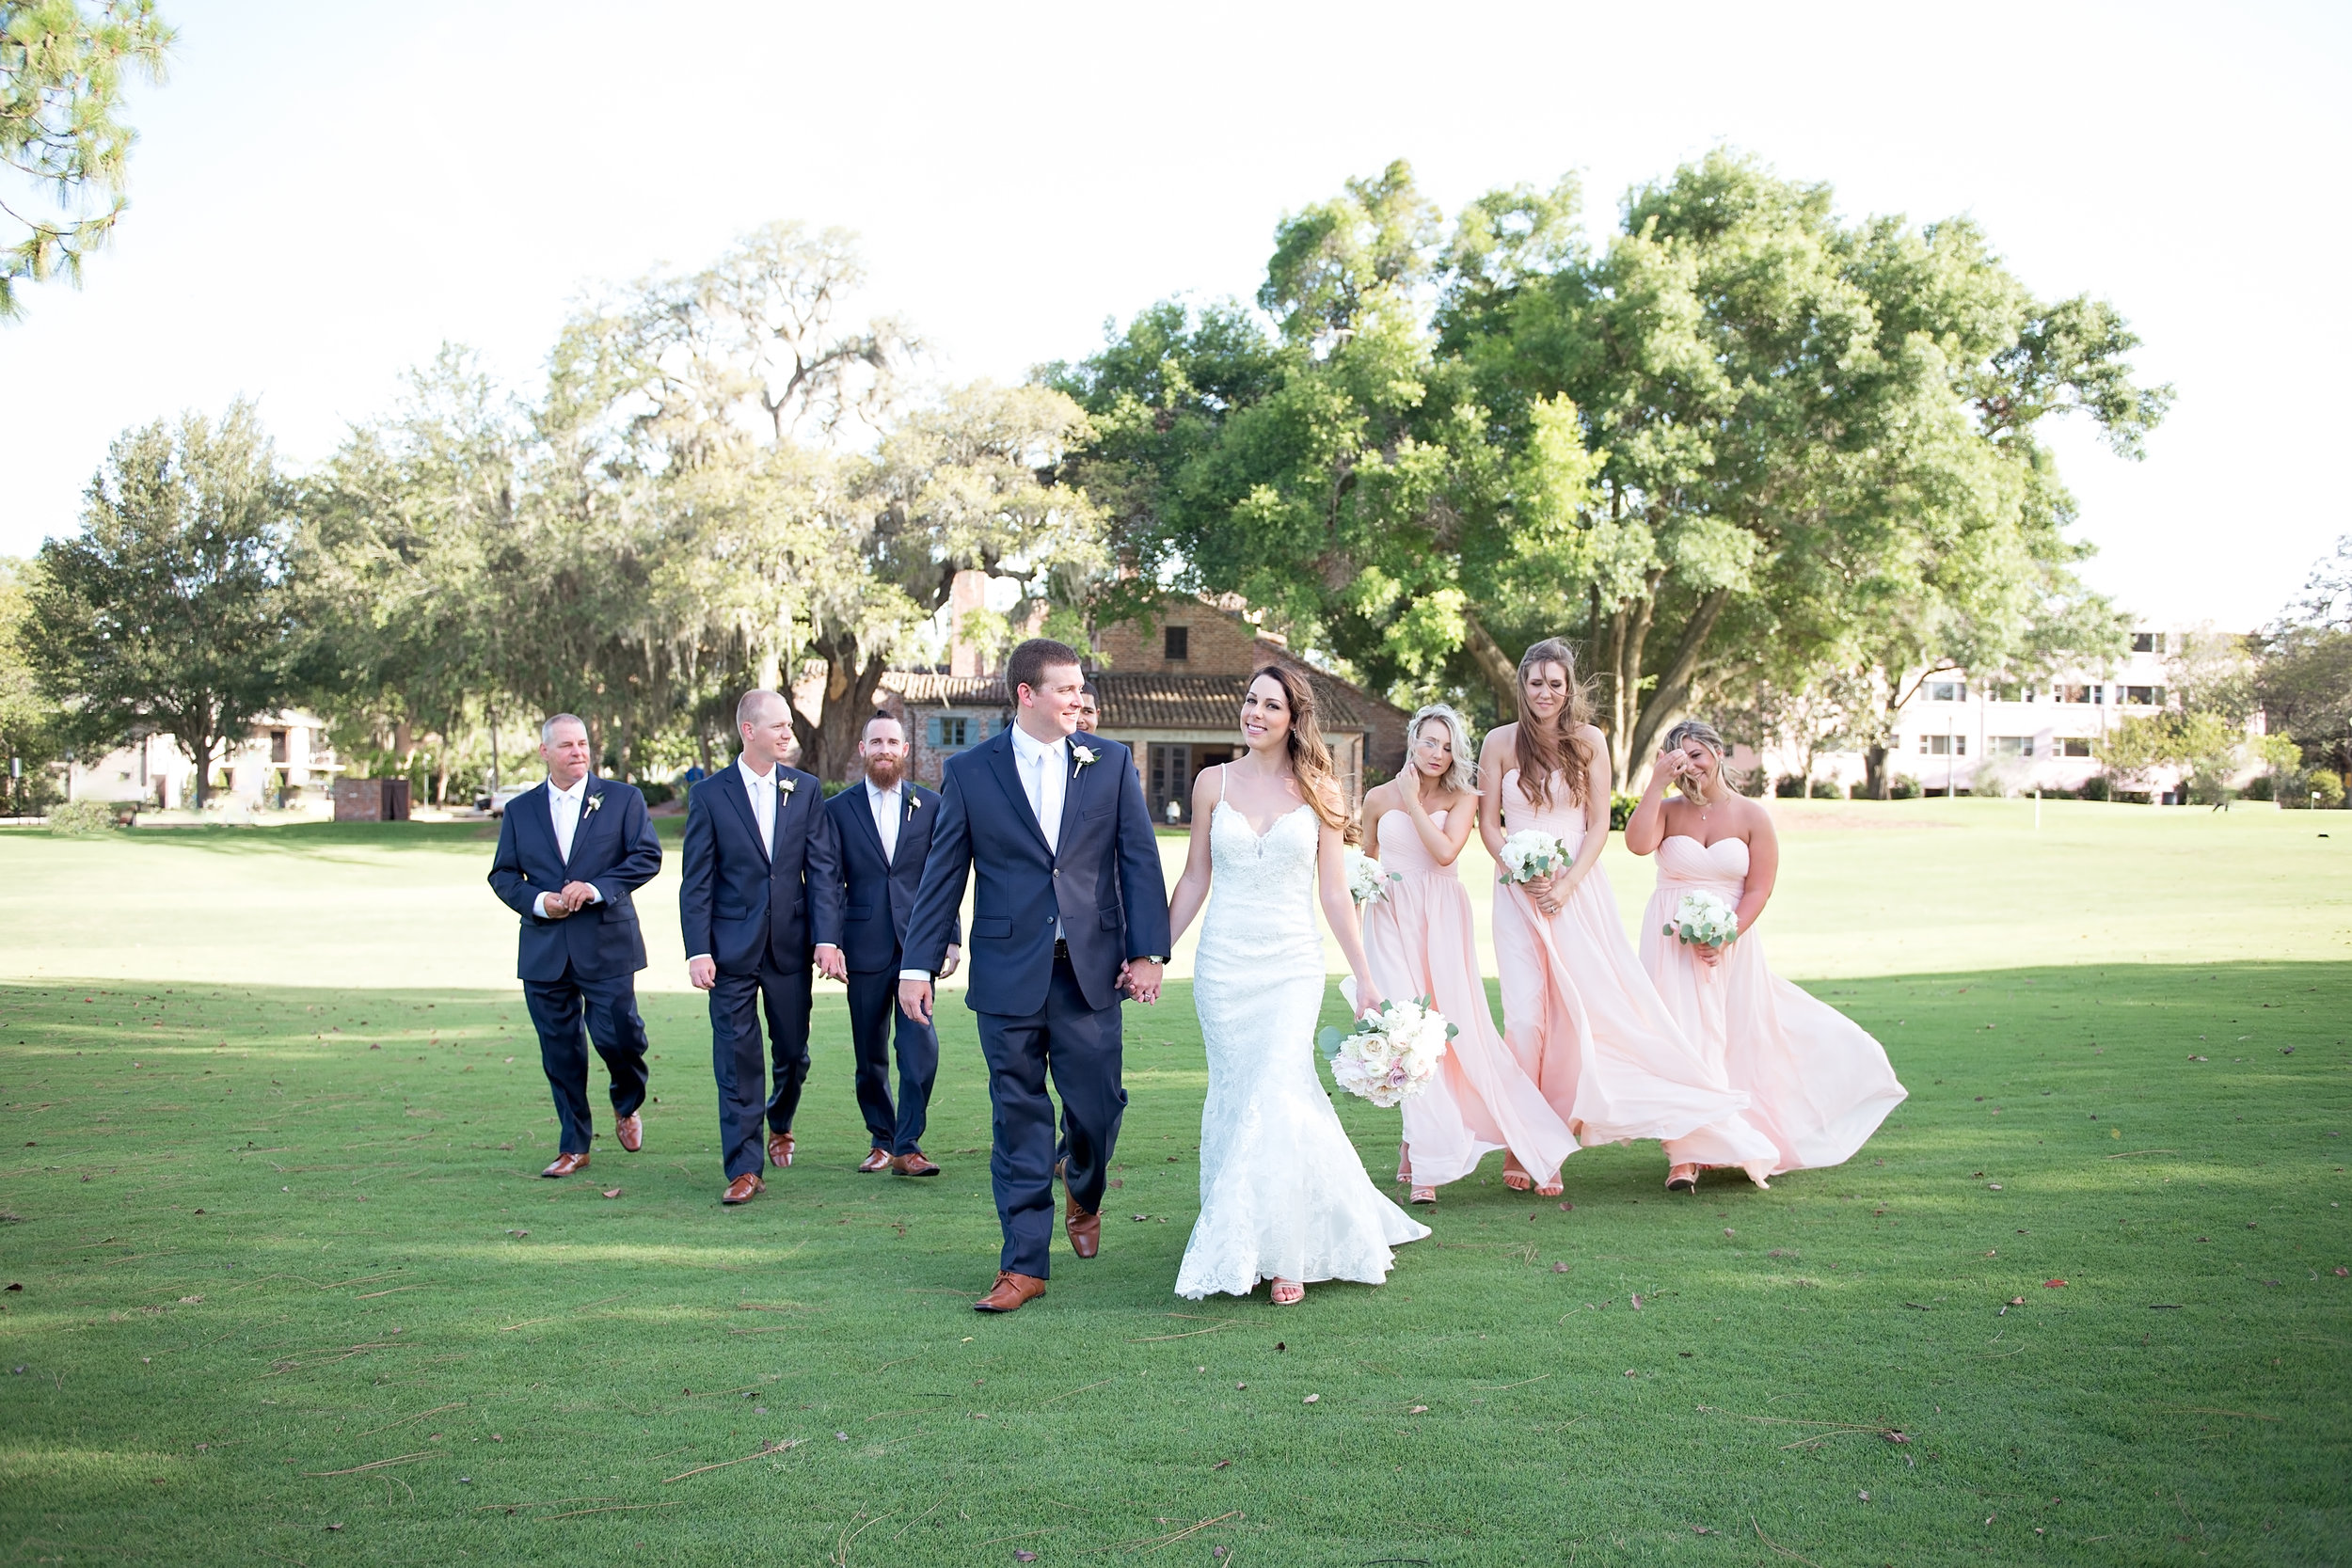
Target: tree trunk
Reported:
point(1875, 782)
point(1667, 699)
point(200, 747)
point(1628, 638)
point(829, 744)
point(1500, 671)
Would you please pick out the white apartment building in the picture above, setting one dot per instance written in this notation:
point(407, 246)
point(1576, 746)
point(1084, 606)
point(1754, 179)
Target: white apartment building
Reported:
point(2044, 733)
point(287, 750)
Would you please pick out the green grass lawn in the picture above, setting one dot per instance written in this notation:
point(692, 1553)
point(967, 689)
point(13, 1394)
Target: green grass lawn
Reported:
point(290, 1293)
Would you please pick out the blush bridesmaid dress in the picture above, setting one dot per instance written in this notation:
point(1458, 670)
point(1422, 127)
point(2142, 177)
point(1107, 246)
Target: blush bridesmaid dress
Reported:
point(1817, 1086)
point(1583, 1020)
point(1420, 942)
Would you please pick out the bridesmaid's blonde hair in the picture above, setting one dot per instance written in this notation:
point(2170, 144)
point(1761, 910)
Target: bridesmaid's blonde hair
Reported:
point(1708, 737)
point(1562, 750)
point(1462, 777)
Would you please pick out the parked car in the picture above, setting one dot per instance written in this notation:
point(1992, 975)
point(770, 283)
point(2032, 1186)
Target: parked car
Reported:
point(496, 804)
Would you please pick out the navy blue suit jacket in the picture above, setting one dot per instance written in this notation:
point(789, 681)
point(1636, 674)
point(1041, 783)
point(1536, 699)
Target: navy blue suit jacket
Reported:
point(613, 849)
point(736, 903)
point(877, 895)
point(1103, 886)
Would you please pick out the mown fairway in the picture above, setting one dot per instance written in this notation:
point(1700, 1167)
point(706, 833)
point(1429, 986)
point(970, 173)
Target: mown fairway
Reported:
point(290, 1293)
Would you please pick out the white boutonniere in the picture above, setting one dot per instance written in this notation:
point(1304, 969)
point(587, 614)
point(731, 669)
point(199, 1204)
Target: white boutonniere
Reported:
point(595, 802)
point(787, 784)
point(1086, 756)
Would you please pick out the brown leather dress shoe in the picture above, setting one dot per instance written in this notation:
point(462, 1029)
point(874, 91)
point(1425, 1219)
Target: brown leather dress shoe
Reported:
point(1085, 1230)
point(743, 1189)
point(566, 1163)
point(631, 1133)
point(780, 1149)
point(914, 1164)
point(1010, 1293)
point(877, 1159)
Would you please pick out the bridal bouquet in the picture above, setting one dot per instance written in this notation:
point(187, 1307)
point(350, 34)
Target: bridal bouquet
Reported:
point(1389, 1054)
point(1366, 883)
point(1704, 920)
point(1531, 853)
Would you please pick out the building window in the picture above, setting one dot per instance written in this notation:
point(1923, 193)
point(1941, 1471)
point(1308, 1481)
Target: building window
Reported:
point(950, 731)
point(2072, 694)
point(1948, 691)
point(1170, 781)
point(1176, 643)
point(2010, 691)
point(277, 746)
point(2008, 746)
point(2143, 641)
point(2074, 746)
point(1943, 745)
point(2143, 696)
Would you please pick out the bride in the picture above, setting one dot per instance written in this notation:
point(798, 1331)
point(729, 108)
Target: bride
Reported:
point(1283, 1196)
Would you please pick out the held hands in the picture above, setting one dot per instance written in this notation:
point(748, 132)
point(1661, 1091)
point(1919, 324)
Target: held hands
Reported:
point(1140, 978)
point(914, 1000)
point(830, 962)
point(702, 974)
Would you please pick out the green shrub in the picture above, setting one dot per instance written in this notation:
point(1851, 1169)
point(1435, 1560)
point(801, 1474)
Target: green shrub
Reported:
point(1824, 789)
point(2262, 786)
point(83, 817)
point(2096, 787)
point(832, 787)
point(1621, 810)
point(657, 793)
point(2326, 786)
point(1788, 787)
point(1904, 787)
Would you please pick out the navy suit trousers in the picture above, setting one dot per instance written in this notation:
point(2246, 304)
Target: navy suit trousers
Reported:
point(1080, 1047)
point(742, 1067)
point(610, 1006)
point(873, 1008)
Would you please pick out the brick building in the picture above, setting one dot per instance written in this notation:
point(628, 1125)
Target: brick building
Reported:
point(1171, 686)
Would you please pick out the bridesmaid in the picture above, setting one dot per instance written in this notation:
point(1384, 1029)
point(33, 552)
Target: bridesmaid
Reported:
point(1419, 940)
point(1817, 1086)
point(1578, 1014)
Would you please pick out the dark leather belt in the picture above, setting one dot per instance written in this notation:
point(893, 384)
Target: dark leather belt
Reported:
point(1061, 947)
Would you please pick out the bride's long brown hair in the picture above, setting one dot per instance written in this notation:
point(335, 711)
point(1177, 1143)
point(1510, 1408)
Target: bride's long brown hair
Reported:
point(1310, 758)
point(1541, 752)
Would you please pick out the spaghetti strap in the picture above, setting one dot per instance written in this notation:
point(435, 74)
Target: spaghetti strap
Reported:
point(1220, 781)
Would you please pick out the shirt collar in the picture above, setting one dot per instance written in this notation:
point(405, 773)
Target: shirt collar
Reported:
point(878, 793)
point(750, 777)
point(1029, 746)
point(579, 786)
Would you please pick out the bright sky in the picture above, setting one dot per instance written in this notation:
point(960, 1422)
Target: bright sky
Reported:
point(324, 193)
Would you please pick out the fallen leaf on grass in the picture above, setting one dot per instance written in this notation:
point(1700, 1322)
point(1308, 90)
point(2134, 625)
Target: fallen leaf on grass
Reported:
point(612, 1192)
point(1222, 1464)
point(1418, 1410)
point(1312, 1399)
point(2017, 1300)
point(2054, 1284)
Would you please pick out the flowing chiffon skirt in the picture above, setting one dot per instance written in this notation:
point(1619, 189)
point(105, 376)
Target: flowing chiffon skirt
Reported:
point(1818, 1084)
point(1420, 942)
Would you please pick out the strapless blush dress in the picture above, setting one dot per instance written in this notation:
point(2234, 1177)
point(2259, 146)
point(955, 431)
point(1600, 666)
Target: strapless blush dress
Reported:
point(1420, 943)
point(1586, 1024)
point(1818, 1084)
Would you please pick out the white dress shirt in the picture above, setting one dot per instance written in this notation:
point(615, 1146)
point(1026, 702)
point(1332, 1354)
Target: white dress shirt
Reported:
point(564, 808)
point(761, 787)
point(889, 806)
point(1045, 774)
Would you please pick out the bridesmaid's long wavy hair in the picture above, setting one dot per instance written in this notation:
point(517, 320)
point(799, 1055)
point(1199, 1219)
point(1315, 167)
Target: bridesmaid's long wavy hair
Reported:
point(1462, 777)
point(1310, 758)
point(1562, 750)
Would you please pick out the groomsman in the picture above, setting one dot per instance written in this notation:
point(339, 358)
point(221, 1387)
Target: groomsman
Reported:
point(885, 825)
point(570, 853)
point(760, 903)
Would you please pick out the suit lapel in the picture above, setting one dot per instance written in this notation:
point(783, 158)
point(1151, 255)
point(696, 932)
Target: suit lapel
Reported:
point(863, 813)
point(741, 794)
point(542, 811)
point(1008, 773)
point(1069, 803)
point(579, 829)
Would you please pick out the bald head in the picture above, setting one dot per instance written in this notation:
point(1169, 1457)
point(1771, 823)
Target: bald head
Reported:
point(764, 720)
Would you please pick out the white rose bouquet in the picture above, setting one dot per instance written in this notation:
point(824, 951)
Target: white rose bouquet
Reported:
point(1390, 1054)
point(1531, 853)
point(1704, 920)
point(1367, 884)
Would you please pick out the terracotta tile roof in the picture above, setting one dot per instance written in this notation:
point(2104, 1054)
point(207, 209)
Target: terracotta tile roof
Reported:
point(1153, 701)
point(921, 688)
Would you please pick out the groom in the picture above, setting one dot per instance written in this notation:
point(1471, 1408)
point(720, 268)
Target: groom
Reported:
point(1070, 912)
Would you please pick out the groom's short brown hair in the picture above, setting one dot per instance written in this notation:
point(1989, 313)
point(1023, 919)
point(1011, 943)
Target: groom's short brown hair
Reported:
point(1029, 662)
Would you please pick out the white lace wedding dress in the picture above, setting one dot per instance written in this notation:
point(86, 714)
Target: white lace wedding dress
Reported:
point(1282, 1192)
